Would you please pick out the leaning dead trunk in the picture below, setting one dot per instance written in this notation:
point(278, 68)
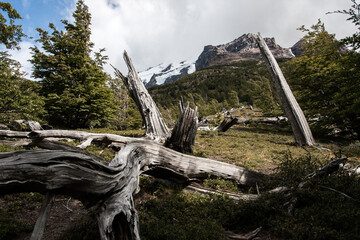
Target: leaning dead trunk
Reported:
point(226, 124)
point(155, 125)
point(183, 135)
point(299, 125)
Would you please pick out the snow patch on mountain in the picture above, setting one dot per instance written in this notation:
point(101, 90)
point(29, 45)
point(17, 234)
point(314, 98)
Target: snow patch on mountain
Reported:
point(166, 73)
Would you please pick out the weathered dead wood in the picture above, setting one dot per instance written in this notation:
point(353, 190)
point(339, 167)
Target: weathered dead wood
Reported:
point(186, 166)
point(18, 143)
point(193, 187)
point(85, 137)
point(164, 162)
point(155, 125)
point(299, 125)
point(247, 236)
point(13, 134)
point(79, 176)
point(43, 216)
point(226, 124)
point(183, 134)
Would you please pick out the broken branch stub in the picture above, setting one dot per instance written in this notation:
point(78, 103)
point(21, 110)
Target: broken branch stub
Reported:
point(152, 118)
point(299, 125)
point(183, 135)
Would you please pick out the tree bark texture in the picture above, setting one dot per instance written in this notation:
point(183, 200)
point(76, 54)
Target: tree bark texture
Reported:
point(299, 125)
point(81, 177)
point(183, 134)
point(155, 125)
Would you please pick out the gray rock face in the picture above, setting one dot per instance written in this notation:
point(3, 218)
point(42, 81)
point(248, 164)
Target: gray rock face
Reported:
point(242, 48)
point(297, 49)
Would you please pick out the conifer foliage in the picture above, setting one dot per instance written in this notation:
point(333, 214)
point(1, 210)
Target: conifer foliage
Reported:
point(326, 80)
point(19, 97)
point(73, 83)
point(10, 33)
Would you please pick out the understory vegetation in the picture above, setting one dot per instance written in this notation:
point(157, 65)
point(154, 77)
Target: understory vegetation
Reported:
point(328, 208)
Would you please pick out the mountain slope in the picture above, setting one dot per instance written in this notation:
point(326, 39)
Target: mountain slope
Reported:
point(217, 87)
point(241, 49)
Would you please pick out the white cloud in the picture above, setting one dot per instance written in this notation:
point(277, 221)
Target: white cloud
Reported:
point(156, 31)
point(163, 31)
point(23, 55)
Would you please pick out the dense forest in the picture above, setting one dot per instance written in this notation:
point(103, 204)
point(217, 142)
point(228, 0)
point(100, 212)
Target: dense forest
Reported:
point(72, 91)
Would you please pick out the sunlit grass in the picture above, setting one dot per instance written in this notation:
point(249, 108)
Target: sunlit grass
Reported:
point(257, 147)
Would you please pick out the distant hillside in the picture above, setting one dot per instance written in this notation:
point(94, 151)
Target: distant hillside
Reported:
point(217, 87)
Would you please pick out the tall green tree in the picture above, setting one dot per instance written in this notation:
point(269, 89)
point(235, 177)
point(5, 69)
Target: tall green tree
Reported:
point(10, 33)
point(326, 79)
point(19, 98)
point(73, 83)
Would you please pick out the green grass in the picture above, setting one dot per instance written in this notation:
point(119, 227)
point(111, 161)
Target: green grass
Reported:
point(257, 147)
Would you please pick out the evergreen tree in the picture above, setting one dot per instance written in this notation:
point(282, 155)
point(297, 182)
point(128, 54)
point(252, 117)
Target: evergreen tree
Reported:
point(19, 98)
point(10, 33)
point(73, 83)
point(127, 114)
point(326, 79)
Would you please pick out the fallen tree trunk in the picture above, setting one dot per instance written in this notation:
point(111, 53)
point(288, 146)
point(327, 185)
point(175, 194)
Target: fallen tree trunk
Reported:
point(79, 176)
point(226, 124)
point(161, 160)
point(155, 125)
point(82, 177)
point(183, 134)
point(299, 125)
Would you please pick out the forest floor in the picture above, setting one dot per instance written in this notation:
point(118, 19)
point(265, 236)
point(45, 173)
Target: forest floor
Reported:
point(259, 147)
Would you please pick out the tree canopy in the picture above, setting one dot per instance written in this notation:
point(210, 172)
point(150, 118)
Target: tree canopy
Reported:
point(326, 79)
point(73, 83)
point(10, 33)
point(19, 97)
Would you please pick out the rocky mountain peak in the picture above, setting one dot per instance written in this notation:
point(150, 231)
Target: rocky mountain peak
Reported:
point(240, 49)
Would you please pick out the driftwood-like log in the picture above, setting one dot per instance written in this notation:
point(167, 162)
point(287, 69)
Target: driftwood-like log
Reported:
point(81, 177)
point(13, 134)
point(43, 216)
point(155, 125)
point(226, 124)
point(299, 125)
point(160, 159)
point(183, 134)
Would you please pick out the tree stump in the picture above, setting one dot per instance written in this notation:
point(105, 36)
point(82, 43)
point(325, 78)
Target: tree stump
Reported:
point(183, 135)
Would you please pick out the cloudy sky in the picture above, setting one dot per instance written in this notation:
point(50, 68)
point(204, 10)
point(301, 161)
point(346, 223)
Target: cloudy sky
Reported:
point(165, 31)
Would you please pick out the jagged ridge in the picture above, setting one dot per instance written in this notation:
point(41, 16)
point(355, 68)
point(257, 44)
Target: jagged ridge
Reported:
point(242, 48)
